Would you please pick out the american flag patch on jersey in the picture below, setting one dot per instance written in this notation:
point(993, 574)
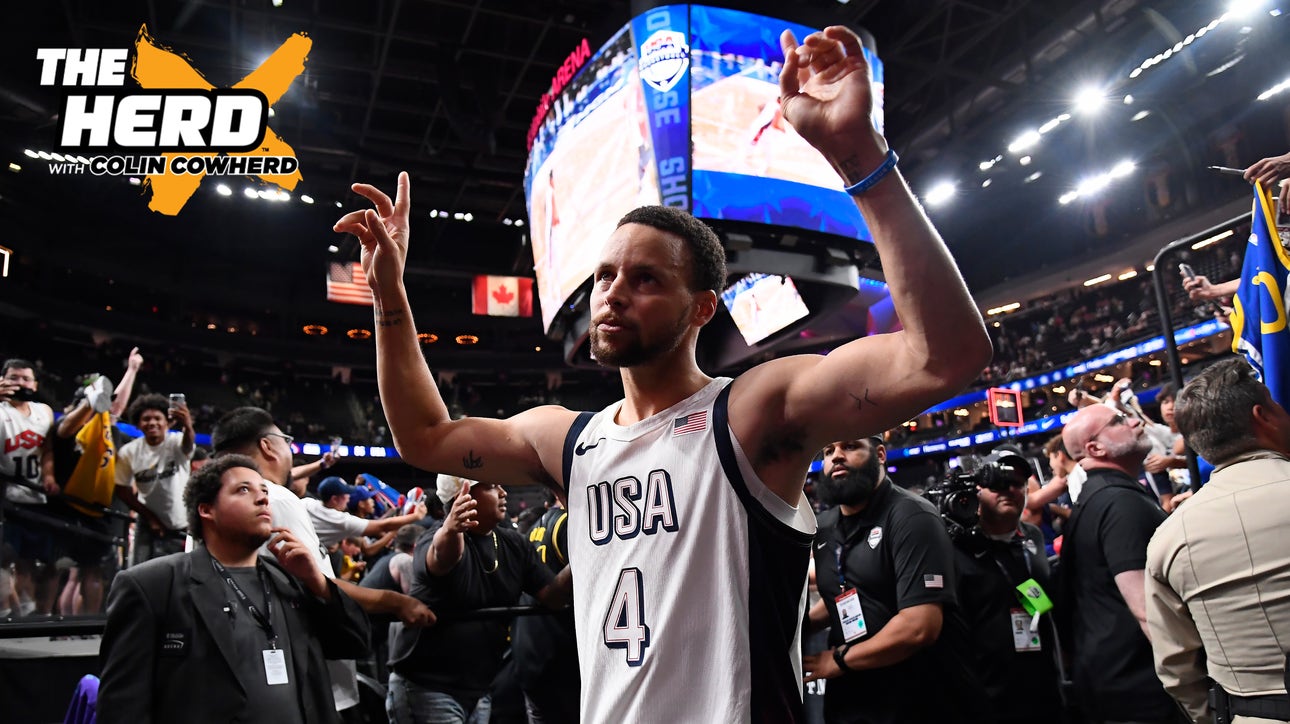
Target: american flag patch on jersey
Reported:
point(693, 422)
point(933, 581)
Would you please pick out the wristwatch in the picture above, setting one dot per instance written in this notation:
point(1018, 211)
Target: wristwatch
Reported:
point(840, 657)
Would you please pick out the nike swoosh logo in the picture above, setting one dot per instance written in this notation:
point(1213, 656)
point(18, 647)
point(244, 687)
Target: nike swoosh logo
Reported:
point(581, 450)
point(821, 545)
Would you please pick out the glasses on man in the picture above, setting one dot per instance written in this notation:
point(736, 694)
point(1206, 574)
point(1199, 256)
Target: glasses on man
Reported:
point(282, 435)
point(1119, 419)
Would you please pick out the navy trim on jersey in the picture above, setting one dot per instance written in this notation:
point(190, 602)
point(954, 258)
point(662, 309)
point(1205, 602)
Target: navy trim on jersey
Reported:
point(570, 440)
point(726, 453)
point(778, 556)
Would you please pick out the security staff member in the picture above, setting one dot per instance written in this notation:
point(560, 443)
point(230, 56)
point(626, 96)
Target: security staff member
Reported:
point(1013, 651)
point(1103, 561)
point(544, 647)
point(1219, 567)
point(884, 568)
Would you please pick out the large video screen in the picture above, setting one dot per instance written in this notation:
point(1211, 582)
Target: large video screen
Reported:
point(763, 304)
point(591, 162)
point(749, 163)
point(679, 108)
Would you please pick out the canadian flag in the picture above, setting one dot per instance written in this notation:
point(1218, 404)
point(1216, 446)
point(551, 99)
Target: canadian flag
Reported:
point(503, 296)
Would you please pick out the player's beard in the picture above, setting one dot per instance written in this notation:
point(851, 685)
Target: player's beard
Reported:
point(635, 352)
point(857, 486)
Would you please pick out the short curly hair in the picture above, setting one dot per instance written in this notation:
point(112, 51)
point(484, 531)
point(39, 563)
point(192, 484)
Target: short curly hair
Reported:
point(144, 403)
point(708, 257)
point(203, 487)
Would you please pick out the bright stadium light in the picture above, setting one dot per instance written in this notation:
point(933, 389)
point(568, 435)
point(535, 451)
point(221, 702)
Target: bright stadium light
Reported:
point(1243, 8)
point(940, 193)
point(1089, 101)
point(1122, 169)
point(1024, 141)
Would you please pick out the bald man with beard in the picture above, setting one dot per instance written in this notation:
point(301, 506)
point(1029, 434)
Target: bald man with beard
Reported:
point(1103, 561)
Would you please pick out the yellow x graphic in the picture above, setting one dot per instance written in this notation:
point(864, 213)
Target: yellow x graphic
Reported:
point(159, 68)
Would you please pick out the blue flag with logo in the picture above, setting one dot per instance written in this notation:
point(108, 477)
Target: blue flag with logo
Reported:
point(1259, 321)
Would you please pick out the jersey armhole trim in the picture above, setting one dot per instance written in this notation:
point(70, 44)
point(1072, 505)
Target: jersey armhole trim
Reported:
point(571, 439)
point(729, 464)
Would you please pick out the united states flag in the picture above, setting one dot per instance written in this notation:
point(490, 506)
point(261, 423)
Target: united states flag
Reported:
point(347, 284)
point(933, 580)
point(693, 422)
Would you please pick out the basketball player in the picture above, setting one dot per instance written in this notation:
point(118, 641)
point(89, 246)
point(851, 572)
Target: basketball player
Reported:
point(770, 118)
point(689, 536)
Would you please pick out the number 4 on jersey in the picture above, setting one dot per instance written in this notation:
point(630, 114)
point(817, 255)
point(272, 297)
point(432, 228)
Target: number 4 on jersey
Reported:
point(625, 621)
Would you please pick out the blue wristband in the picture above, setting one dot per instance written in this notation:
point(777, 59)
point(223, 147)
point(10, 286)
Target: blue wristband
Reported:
point(878, 174)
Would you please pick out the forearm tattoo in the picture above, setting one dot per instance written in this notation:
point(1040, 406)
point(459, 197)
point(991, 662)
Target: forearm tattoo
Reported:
point(389, 319)
point(852, 169)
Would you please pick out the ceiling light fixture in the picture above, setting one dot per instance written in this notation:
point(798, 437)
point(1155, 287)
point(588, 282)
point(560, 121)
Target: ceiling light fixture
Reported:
point(940, 193)
point(1213, 239)
point(1090, 100)
point(1024, 141)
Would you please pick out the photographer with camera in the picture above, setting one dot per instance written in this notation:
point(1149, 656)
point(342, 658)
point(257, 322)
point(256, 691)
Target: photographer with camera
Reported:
point(884, 567)
point(1004, 588)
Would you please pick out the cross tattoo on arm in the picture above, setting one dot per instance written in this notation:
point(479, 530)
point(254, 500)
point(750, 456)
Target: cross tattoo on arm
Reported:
point(860, 402)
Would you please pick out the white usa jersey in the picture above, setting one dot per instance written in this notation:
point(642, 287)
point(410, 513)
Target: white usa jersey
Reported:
point(24, 438)
point(689, 574)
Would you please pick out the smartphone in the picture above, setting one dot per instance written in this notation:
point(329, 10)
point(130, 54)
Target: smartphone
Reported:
point(1187, 271)
point(335, 445)
point(177, 400)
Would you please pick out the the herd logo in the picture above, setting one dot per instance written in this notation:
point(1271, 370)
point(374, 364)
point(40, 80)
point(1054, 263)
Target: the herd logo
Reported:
point(665, 56)
point(175, 128)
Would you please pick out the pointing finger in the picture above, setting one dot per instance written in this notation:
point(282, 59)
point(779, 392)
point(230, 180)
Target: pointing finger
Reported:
point(403, 196)
point(789, 84)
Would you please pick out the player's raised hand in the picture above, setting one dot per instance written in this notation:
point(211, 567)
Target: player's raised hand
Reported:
point(827, 94)
point(383, 233)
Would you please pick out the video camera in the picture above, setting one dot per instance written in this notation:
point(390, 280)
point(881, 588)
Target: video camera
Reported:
point(955, 497)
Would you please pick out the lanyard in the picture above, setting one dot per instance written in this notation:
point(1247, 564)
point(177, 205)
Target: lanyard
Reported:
point(265, 620)
point(1025, 556)
point(839, 556)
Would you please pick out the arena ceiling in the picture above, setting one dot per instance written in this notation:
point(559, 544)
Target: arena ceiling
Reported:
point(446, 89)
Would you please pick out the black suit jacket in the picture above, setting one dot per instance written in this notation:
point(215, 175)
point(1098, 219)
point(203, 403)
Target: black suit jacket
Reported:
point(167, 647)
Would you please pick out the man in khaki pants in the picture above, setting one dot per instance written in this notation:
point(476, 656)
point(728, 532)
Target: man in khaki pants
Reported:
point(1218, 570)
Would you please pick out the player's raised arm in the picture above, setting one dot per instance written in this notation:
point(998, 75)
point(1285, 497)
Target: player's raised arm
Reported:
point(873, 383)
point(524, 449)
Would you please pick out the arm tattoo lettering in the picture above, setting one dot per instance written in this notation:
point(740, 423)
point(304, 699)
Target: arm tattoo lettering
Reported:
point(470, 462)
point(861, 402)
point(389, 319)
point(851, 170)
